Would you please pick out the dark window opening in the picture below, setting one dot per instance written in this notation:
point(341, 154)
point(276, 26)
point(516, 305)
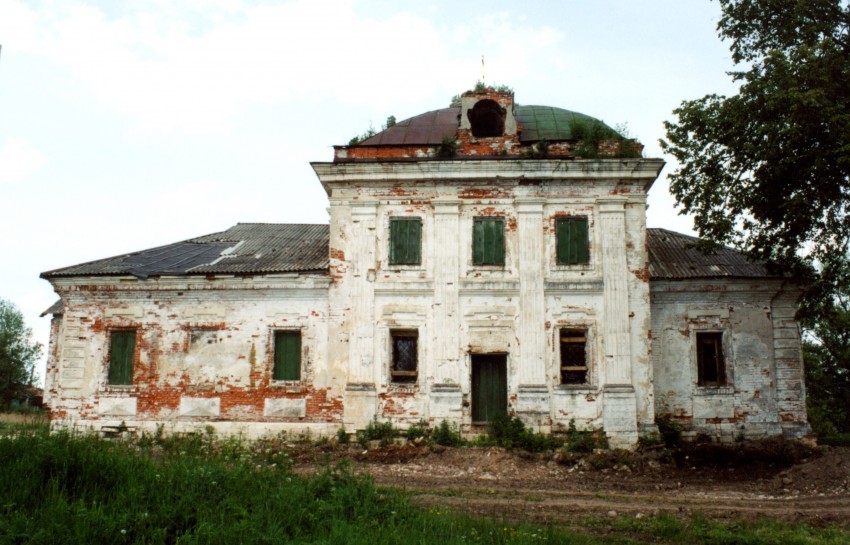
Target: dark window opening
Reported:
point(202, 336)
point(287, 355)
point(711, 368)
point(487, 119)
point(122, 349)
point(572, 241)
point(573, 356)
point(405, 241)
point(405, 357)
point(488, 241)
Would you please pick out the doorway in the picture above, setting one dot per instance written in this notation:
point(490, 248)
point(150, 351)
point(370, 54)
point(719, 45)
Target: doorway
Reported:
point(489, 387)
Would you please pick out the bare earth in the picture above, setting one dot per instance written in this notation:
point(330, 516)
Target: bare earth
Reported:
point(814, 487)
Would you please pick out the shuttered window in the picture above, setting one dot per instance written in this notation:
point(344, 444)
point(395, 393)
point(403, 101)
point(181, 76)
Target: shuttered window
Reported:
point(405, 241)
point(122, 347)
point(287, 355)
point(711, 367)
point(488, 241)
point(572, 241)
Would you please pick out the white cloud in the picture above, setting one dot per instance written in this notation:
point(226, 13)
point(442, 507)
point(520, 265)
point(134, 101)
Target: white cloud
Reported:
point(18, 160)
point(195, 67)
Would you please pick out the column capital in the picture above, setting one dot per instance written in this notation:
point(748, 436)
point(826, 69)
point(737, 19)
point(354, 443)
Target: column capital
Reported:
point(612, 204)
point(530, 205)
point(446, 206)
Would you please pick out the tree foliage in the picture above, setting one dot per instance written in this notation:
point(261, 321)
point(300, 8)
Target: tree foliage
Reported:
point(826, 353)
point(768, 169)
point(18, 354)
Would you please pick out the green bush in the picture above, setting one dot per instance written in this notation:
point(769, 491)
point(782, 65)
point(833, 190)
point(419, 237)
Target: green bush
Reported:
point(670, 430)
point(584, 441)
point(447, 435)
point(377, 431)
point(510, 432)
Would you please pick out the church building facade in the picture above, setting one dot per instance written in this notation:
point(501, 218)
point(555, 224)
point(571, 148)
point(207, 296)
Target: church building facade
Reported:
point(482, 259)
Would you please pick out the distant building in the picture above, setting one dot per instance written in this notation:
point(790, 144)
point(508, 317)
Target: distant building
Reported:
point(482, 259)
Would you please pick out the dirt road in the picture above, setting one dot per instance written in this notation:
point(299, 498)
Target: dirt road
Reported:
point(520, 486)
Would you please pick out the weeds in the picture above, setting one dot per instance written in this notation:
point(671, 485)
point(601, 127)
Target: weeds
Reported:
point(377, 431)
point(71, 489)
point(510, 432)
point(584, 441)
point(447, 435)
point(670, 430)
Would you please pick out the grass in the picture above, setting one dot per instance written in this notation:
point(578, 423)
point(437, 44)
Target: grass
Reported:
point(65, 488)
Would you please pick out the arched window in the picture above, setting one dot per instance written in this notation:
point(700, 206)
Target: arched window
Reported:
point(487, 119)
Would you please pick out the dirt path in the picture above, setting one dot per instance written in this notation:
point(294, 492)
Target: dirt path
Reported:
point(516, 486)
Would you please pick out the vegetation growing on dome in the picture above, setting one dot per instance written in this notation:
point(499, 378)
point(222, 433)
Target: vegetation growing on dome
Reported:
point(359, 139)
point(592, 132)
point(481, 87)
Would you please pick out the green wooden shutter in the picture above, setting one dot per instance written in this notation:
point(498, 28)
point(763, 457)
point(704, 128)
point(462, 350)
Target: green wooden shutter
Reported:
point(287, 355)
point(405, 241)
point(572, 243)
point(488, 241)
point(122, 347)
point(478, 241)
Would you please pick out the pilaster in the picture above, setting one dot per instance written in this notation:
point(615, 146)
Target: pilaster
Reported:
point(620, 403)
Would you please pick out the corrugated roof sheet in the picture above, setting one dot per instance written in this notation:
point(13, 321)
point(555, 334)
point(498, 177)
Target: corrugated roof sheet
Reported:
point(244, 248)
point(257, 248)
point(56, 308)
point(538, 123)
point(674, 256)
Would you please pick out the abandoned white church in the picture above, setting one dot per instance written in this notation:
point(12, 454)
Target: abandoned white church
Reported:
point(481, 259)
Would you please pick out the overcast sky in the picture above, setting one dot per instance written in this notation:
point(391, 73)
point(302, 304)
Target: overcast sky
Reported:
point(128, 125)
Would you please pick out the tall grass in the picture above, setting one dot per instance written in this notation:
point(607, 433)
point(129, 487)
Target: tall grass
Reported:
point(72, 489)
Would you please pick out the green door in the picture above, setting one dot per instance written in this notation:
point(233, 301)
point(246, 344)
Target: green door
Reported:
point(489, 386)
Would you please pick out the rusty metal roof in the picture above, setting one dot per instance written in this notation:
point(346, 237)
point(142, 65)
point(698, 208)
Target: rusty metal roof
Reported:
point(55, 309)
point(538, 123)
point(245, 248)
point(258, 248)
point(675, 256)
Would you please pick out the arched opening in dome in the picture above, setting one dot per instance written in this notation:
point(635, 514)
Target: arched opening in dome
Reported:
point(487, 119)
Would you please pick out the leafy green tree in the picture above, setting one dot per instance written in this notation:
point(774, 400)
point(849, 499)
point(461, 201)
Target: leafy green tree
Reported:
point(18, 354)
point(826, 352)
point(768, 169)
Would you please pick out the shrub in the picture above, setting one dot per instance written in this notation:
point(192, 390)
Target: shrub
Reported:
point(377, 431)
point(417, 431)
point(585, 441)
point(510, 432)
point(448, 147)
point(447, 435)
point(670, 430)
point(342, 436)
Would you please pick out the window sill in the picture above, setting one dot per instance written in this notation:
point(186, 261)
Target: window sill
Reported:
point(403, 387)
point(575, 388)
point(291, 386)
point(119, 387)
point(714, 391)
point(582, 267)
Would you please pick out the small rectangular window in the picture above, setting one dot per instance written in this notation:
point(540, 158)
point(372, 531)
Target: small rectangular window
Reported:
point(488, 241)
point(711, 369)
point(405, 355)
point(573, 356)
point(572, 241)
point(287, 355)
point(405, 241)
point(122, 349)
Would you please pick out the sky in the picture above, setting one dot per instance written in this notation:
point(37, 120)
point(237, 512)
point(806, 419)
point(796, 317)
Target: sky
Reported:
point(129, 125)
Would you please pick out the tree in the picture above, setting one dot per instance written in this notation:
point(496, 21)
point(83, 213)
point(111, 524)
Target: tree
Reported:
point(768, 170)
point(18, 354)
point(826, 353)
